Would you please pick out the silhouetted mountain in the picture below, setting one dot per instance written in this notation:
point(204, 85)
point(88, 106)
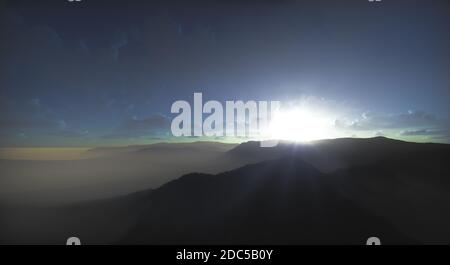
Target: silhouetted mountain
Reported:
point(406, 183)
point(394, 190)
point(411, 191)
point(284, 201)
point(333, 154)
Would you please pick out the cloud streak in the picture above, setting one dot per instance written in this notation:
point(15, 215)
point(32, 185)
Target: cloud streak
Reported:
point(379, 121)
point(155, 125)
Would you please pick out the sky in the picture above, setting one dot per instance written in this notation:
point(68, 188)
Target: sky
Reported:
point(97, 73)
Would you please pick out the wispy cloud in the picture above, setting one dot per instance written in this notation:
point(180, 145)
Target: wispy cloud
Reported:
point(379, 121)
point(156, 125)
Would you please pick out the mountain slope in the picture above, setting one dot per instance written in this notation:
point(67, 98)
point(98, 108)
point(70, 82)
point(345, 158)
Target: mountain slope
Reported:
point(283, 201)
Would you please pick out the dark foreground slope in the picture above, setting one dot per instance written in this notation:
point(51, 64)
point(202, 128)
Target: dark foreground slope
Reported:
point(284, 201)
point(406, 183)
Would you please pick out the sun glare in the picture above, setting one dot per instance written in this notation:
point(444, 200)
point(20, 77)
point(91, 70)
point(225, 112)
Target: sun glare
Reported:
point(300, 124)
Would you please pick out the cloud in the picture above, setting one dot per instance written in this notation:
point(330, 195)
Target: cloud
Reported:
point(411, 123)
point(11, 124)
point(120, 40)
point(36, 102)
point(378, 121)
point(422, 132)
point(31, 115)
point(156, 125)
point(35, 120)
point(379, 133)
point(151, 123)
point(69, 133)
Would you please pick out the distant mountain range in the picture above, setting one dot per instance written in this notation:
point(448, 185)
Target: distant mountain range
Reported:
point(338, 191)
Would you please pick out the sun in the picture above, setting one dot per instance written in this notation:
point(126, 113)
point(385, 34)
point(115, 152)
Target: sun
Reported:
point(300, 124)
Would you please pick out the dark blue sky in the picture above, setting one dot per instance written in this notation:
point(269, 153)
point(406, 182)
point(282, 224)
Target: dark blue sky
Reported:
point(106, 72)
